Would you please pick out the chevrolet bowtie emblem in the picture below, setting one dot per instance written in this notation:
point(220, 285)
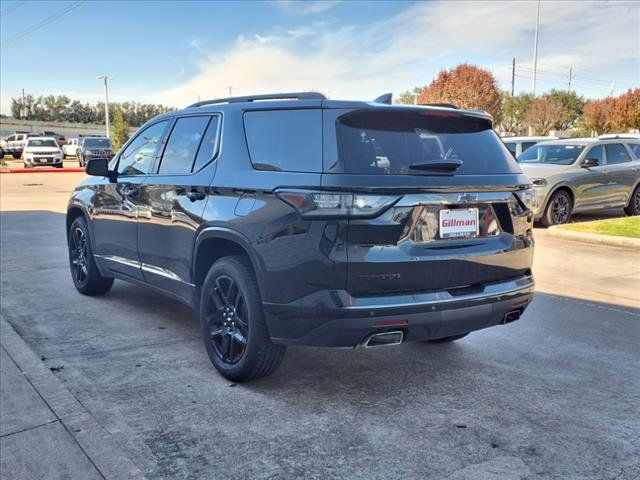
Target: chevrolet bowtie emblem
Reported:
point(468, 197)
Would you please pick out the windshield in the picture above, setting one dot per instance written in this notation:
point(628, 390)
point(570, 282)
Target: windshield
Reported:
point(46, 142)
point(97, 143)
point(556, 154)
point(374, 142)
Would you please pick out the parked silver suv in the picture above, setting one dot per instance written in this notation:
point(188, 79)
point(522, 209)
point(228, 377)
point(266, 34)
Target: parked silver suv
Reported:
point(583, 174)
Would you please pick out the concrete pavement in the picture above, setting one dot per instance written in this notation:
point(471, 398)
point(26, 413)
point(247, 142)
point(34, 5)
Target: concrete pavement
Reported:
point(551, 396)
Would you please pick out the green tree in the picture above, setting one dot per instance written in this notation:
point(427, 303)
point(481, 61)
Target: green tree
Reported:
point(409, 97)
point(120, 129)
point(573, 105)
point(514, 113)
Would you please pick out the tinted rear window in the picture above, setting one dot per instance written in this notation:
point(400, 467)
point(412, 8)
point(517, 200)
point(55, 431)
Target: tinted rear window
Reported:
point(390, 143)
point(285, 140)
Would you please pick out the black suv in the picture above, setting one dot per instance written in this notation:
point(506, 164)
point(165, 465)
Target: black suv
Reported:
point(296, 220)
point(90, 148)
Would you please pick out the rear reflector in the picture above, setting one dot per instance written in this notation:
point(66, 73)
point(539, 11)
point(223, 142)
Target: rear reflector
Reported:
point(390, 323)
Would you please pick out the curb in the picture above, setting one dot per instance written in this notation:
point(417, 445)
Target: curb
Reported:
point(594, 238)
point(96, 443)
point(42, 170)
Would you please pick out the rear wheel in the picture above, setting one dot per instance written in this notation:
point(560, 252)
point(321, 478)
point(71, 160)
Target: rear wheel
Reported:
point(84, 271)
point(232, 322)
point(558, 209)
point(634, 203)
point(452, 338)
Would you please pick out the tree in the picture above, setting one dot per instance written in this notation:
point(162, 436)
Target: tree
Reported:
point(626, 112)
point(573, 105)
point(120, 129)
point(514, 112)
point(597, 115)
point(465, 86)
point(544, 114)
point(409, 97)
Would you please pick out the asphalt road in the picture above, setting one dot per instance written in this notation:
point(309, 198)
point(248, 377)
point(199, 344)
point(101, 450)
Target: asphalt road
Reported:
point(554, 395)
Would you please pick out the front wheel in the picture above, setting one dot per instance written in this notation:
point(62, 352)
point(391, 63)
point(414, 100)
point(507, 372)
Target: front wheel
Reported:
point(558, 209)
point(232, 322)
point(84, 271)
point(633, 208)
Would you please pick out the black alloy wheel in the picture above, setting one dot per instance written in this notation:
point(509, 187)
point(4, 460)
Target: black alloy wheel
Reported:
point(558, 210)
point(633, 208)
point(78, 256)
point(226, 317)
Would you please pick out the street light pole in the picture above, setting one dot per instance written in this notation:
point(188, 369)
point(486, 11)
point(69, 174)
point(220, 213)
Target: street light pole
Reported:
point(106, 79)
point(535, 53)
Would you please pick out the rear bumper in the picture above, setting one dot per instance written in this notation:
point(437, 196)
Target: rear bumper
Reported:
point(333, 318)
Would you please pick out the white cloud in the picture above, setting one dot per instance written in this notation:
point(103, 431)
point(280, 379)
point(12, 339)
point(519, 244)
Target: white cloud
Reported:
point(298, 7)
point(600, 40)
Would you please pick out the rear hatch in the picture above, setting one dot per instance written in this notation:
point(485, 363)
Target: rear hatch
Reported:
point(452, 210)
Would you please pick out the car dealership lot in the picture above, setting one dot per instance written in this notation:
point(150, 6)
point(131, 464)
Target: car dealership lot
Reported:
point(553, 395)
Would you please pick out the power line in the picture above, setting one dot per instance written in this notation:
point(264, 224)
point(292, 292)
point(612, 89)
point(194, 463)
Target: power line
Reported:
point(43, 23)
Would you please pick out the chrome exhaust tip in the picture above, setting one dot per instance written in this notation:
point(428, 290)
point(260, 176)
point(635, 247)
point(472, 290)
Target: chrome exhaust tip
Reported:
point(383, 339)
point(512, 316)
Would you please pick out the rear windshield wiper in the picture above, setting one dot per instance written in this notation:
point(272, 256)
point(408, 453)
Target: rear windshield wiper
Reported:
point(438, 165)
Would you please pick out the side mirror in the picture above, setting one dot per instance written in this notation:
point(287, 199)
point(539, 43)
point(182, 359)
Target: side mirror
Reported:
point(98, 167)
point(590, 162)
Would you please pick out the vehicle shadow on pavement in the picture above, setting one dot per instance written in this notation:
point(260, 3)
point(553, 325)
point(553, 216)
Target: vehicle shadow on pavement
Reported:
point(546, 396)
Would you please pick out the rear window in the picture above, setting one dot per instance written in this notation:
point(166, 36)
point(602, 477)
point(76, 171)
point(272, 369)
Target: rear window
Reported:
point(375, 142)
point(285, 140)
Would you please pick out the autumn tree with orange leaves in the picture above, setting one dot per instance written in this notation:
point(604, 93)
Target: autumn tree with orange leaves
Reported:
point(465, 86)
point(613, 114)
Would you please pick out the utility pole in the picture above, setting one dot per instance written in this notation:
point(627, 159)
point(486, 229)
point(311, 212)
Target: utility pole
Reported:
point(513, 75)
point(23, 110)
point(230, 90)
point(535, 53)
point(570, 75)
point(106, 79)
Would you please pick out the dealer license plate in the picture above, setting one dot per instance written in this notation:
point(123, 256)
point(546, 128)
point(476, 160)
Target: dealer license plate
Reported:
point(459, 223)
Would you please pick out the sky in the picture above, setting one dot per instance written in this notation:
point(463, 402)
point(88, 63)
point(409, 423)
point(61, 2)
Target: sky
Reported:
point(173, 52)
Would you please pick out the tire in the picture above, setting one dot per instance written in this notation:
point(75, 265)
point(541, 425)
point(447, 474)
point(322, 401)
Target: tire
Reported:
point(59, 165)
point(232, 322)
point(452, 338)
point(558, 210)
point(84, 271)
point(1, 154)
point(633, 209)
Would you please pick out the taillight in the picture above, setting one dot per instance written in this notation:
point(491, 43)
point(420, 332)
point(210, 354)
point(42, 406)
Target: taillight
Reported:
point(311, 204)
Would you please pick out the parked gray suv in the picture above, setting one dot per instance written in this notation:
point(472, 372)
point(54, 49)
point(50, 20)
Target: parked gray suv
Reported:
point(583, 174)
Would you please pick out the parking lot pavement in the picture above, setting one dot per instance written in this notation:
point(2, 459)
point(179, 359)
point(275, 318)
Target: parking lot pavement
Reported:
point(553, 395)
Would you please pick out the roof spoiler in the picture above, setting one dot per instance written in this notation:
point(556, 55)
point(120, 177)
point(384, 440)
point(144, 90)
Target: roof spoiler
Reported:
point(385, 98)
point(270, 96)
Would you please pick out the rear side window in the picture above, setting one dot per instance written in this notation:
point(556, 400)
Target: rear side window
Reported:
point(209, 144)
point(285, 140)
point(526, 145)
point(376, 142)
point(183, 144)
point(616, 153)
point(635, 148)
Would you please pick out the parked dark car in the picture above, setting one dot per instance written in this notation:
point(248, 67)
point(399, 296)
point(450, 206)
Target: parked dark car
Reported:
point(90, 148)
point(307, 221)
point(61, 139)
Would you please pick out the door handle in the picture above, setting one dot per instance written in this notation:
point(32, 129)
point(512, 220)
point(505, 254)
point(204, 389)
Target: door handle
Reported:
point(194, 195)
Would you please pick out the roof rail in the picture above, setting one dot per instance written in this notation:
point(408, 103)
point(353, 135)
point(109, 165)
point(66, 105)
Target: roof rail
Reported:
point(448, 105)
point(270, 96)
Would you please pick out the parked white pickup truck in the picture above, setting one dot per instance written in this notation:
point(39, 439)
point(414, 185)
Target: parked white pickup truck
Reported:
point(70, 149)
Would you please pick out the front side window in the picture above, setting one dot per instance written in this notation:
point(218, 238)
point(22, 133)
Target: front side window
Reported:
point(526, 145)
point(137, 158)
point(597, 154)
point(616, 153)
point(11, 138)
point(182, 146)
point(555, 154)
